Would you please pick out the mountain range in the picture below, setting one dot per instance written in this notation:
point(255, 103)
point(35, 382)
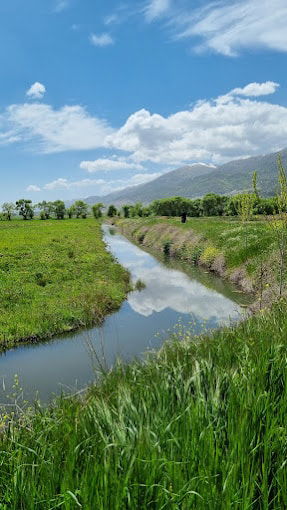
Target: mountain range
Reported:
point(193, 181)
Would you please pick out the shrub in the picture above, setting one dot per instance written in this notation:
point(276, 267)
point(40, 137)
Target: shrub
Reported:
point(166, 247)
point(208, 255)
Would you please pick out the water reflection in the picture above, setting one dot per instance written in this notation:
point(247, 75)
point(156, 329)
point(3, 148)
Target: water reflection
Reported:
point(174, 293)
point(169, 288)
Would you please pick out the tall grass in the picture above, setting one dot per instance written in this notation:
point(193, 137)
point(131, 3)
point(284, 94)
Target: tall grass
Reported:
point(202, 425)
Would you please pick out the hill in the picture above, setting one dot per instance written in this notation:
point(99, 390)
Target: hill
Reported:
point(197, 180)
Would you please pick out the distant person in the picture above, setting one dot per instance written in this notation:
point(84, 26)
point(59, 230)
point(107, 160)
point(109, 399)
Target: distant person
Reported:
point(183, 217)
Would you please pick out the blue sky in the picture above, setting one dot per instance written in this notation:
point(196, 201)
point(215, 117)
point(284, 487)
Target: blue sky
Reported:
point(99, 95)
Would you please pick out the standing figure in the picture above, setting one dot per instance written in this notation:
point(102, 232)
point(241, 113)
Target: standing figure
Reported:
point(183, 217)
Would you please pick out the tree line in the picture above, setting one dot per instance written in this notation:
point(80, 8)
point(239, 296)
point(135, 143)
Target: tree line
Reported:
point(210, 205)
point(46, 210)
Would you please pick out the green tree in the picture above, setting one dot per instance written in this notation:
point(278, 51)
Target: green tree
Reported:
point(71, 211)
point(59, 209)
point(46, 208)
point(112, 211)
point(126, 210)
point(81, 209)
point(25, 208)
point(245, 206)
point(213, 205)
point(8, 209)
point(97, 210)
point(254, 184)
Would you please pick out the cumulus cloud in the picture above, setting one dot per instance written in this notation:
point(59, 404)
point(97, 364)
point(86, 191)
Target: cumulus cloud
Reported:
point(229, 27)
point(107, 165)
point(36, 91)
point(101, 40)
point(156, 8)
point(237, 124)
point(33, 188)
point(256, 89)
point(68, 128)
point(99, 186)
point(212, 130)
point(66, 184)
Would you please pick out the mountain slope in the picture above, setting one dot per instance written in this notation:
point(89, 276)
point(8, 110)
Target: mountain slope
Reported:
point(169, 184)
point(197, 180)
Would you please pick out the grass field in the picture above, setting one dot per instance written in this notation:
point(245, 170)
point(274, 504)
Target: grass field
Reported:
point(55, 276)
point(200, 427)
point(228, 234)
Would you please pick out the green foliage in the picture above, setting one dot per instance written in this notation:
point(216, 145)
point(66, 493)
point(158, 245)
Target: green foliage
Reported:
point(81, 209)
point(55, 277)
point(97, 210)
point(254, 184)
point(126, 210)
point(59, 209)
point(112, 211)
point(137, 210)
point(71, 211)
point(245, 206)
point(201, 426)
point(176, 206)
point(46, 209)
point(8, 209)
point(213, 205)
point(208, 255)
point(25, 208)
point(166, 247)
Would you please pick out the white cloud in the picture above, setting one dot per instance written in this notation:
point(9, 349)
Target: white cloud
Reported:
point(251, 90)
point(99, 186)
point(107, 165)
point(228, 27)
point(256, 89)
point(213, 131)
point(65, 184)
point(101, 40)
point(69, 128)
point(33, 188)
point(36, 91)
point(156, 8)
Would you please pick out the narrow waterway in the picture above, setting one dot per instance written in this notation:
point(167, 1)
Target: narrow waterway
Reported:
point(175, 296)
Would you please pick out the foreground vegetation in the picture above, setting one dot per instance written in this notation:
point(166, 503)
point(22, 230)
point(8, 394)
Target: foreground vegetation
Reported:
point(55, 277)
point(201, 426)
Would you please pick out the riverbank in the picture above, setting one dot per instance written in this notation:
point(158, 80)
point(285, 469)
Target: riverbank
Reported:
point(56, 276)
point(201, 425)
point(245, 254)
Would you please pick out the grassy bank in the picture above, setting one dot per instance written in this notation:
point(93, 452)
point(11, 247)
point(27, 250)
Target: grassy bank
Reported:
point(202, 426)
point(244, 253)
point(55, 276)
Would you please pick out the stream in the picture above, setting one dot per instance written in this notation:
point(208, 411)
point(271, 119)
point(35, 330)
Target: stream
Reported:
point(176, 296)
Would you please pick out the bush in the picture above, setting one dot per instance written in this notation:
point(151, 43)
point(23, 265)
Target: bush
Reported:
point(208, 255)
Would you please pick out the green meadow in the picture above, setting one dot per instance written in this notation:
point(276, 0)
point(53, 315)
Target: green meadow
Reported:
point(55, 276)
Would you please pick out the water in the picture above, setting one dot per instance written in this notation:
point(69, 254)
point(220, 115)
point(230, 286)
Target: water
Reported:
point(174, 294)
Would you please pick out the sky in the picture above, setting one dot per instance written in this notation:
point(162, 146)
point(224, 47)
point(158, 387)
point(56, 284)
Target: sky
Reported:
point(97, 95)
